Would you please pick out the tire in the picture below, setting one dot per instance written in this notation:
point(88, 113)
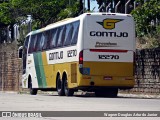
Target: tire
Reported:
point(111, 92)
point(68, 91)
point(32, 90)
point(60, 87)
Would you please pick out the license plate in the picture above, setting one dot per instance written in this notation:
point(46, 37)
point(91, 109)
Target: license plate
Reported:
point(107, 78)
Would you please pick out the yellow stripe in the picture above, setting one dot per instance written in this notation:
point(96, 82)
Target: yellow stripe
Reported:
point(48, 70)
point(110, 68)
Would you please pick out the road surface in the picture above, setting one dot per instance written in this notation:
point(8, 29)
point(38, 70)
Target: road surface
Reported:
point(50, 102)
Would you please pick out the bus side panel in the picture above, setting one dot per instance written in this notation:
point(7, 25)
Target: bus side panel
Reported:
point(40, 70)
point(32, 70)
point(48, 71)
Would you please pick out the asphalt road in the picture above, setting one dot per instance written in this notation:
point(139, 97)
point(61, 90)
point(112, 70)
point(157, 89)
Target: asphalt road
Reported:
point(52, 102)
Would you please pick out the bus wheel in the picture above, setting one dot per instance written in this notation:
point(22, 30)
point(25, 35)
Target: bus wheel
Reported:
point(111, 92)
point(68, 91)
point(60, 87)
point(32, 90)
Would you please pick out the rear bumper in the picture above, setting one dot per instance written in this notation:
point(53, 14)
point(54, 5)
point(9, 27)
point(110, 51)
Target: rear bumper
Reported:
point(95, 88)
point(96, 82)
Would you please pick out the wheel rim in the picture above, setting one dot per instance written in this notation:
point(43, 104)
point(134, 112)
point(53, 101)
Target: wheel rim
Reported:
point(66, 86)
point(59, 84)
point(30, 84)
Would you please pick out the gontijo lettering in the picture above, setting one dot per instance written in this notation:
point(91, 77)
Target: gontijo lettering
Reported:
point(56, 55)
point(108, 34)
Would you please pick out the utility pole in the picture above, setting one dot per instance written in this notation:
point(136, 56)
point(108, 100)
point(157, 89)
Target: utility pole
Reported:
point(29, 23)
point(80, 7)
point(84, 6)
point(88, 5)
point(105, 5)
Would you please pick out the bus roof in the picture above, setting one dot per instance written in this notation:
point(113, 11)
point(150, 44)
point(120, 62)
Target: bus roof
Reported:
point(59, 21)
point(68, 20)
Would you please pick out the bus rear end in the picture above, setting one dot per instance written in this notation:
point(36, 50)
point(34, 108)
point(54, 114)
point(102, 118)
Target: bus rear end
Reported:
point(106, 61)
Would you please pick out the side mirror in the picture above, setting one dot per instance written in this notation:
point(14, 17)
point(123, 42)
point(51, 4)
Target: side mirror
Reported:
point(20, 51)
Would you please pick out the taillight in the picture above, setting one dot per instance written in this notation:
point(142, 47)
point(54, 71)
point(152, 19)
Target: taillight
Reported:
point(81, 62)
point(81, 57)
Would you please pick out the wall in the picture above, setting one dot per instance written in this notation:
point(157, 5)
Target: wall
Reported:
point(147, 72)
point(10, 68)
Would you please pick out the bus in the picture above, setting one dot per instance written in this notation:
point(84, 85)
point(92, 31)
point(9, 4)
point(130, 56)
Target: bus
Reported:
point(92, 52)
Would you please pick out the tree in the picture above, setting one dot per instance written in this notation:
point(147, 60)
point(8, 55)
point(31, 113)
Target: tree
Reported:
point(7, 17)
point(147, 20)
point(43, 12)
point(146, 17)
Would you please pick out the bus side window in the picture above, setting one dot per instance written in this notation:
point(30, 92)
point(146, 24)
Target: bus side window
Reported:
point(75, 33)
point(37, 47)
point(42, 40)
point(61, 36)
point(46, 40)
point(32, 43)
point(53, 38)
point(69, 32)
point(57, 36)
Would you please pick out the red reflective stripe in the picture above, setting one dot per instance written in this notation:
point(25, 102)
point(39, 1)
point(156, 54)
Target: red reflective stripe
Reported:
point(107, 50)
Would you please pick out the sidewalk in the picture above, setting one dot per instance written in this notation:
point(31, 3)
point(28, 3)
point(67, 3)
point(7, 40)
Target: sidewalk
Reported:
point(145, 96)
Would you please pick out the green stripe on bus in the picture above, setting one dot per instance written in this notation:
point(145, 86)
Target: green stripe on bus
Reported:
point(41, 67)
point(39, 70)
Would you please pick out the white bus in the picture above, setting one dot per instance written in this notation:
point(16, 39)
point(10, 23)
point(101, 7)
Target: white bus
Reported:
point(92, 52)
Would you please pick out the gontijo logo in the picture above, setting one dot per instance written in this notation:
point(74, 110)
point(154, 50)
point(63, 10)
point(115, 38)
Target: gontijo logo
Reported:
point(109, 23)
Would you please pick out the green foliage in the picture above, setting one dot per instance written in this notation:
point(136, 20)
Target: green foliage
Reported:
point(43, 12)
point(6, 12)
point(145, 17)
point(69, 11)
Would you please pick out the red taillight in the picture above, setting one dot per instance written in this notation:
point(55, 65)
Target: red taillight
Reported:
point(81, 57)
